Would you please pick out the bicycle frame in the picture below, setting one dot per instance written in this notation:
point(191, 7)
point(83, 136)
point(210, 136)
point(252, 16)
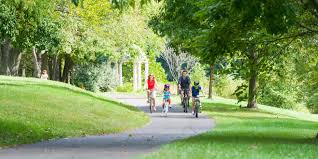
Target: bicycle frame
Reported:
point(196, 106)
point(185, 100)
point(166, 107)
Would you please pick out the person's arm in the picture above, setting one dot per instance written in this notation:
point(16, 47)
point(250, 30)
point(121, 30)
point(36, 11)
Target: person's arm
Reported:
point(179, 83)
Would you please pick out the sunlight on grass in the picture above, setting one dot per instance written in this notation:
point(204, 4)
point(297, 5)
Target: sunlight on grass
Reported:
point(248, 134)
point(33, 110)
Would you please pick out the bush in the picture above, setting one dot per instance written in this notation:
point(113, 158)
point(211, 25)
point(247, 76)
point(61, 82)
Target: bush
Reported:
point(156, 69)
point(225, 86)
point(312, 103)
point(277, 98)
point(95, 78)
point(199, 74)
point(127, 87)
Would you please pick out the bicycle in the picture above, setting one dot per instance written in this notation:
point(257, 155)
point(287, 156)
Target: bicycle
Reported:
point(151, 99)
point(185, 100)
point(197, 106)
point(165, 108)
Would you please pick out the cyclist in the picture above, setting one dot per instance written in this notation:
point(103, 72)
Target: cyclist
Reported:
point(151, 83)
point(184, 84)
point(196, 88)
point(166, 95)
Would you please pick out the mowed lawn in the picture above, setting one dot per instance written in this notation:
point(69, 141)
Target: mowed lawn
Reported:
point(33, 110)
point(247, 134)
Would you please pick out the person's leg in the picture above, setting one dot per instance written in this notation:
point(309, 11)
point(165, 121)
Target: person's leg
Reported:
point(148, 94)
point(154, 104)
point(181, 96)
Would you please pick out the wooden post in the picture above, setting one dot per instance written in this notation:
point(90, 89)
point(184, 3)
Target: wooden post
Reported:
point(146, 72)
point(135, 78)
point(120, 72)
point(116, 69)
point(139, 77)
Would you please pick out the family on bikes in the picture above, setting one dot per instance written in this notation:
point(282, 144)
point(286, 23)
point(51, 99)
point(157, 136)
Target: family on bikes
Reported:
point(184, 90)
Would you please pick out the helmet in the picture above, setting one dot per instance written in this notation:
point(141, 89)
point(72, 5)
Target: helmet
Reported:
point(196, 83)
point(167, 86)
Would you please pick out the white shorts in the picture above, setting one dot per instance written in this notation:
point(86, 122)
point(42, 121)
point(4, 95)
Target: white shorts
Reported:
point(153, 94)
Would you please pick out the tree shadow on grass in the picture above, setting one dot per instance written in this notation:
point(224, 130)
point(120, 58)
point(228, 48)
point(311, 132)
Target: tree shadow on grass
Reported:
point(14, 133)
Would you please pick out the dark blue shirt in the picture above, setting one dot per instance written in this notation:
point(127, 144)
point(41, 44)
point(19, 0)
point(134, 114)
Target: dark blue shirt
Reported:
point(196, 91)
point(184, 82)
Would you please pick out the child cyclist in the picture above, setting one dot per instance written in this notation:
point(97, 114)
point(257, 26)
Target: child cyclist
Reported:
point(196, 88)
point(166, 95)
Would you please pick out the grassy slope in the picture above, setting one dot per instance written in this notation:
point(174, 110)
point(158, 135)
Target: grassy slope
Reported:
point(248, 134)
point(33, 110)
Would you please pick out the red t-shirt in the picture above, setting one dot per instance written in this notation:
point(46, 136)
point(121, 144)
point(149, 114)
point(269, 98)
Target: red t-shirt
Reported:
point(151, 84)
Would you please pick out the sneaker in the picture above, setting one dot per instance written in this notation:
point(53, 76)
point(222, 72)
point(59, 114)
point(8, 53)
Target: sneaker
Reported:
point(192, 112)
point(170, 107)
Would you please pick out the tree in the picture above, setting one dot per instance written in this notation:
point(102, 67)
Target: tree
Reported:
point(218, 28)
point(178, 62)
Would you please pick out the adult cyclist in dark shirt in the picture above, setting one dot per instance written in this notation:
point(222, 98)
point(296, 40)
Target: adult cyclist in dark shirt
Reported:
point(184, 84)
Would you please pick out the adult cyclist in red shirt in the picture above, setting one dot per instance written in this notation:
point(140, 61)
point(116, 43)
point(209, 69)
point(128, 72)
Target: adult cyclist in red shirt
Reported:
point(151, 83)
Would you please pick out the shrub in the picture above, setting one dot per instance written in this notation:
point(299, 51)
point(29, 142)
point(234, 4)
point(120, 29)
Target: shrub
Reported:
point(312, 103)
point(277, 98)
point(95, 78)
point(225, 86)
point(127, 87)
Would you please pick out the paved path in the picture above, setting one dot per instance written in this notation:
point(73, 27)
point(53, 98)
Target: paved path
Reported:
point(160, 130)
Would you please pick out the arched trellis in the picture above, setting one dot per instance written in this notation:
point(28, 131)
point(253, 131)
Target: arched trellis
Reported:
point(137, 69)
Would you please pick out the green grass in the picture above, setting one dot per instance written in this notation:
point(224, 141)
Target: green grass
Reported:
point(247, 134)
point(33, 110)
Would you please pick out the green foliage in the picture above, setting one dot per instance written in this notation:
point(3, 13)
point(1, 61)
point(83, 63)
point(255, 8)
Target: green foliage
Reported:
point(312, 103)
point(226, 86)
point(95, 78)
point(127, 87)
point(156, 69)
point(278, 98)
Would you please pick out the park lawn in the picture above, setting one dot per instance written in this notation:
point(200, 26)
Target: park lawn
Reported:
point(246, 134)
point(33, 110)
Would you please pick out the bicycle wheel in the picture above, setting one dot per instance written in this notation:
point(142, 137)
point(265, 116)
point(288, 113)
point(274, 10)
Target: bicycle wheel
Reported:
point(150, 105)
point(196, 109)
point(186, 102)
point(166, 108)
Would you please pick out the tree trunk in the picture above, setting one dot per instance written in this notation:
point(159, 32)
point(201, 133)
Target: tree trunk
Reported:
point(45, 63)
point(252, 89)
point(37, 62)
point(59, 62)
point(10, 59)
point(15, 60)
point(55, 68)
point(5, 51)
point(68, 66)
point(211, 80)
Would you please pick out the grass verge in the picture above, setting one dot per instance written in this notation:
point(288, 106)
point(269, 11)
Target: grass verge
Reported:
point(248, 134)
point(33, 110)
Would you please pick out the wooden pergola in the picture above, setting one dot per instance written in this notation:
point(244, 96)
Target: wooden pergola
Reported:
point(137, 70)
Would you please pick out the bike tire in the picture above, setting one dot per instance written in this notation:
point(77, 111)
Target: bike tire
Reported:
point(150, 106)
point(196, 110)
point(186, 106)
